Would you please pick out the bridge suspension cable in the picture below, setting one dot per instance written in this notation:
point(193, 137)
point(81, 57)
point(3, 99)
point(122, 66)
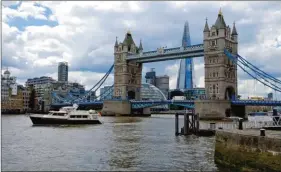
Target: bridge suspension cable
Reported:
point(236, 59)
point(257, 69)
point(99, 83)
point(262, 76)
point(266, 78)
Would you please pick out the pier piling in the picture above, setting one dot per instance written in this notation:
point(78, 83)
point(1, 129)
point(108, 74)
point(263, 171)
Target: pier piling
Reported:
point(240, 126)
point(186, 124)
point(262, 132)
point(177, 124)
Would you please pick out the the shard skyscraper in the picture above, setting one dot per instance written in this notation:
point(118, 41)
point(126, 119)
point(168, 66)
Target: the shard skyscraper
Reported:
point(186, 70)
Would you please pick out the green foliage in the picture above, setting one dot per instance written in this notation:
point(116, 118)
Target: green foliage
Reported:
point(241, 158)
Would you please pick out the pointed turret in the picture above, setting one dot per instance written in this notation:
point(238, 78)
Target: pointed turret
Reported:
point(140, 47)
point(206, 28)
point(116, 42)
point(186, 35)
point(234, 32)
point(128, 39)
point(220, 23)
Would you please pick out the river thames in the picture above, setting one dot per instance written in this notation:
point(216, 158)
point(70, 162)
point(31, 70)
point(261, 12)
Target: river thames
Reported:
point(120, 143)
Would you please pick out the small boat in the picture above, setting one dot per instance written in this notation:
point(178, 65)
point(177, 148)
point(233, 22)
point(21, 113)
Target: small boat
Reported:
point(66, 115)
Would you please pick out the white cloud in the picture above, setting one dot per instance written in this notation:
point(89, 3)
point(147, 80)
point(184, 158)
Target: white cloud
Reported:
point(25, 10)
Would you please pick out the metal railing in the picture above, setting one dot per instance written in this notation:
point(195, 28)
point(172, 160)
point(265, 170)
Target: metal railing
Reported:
point(275, 121)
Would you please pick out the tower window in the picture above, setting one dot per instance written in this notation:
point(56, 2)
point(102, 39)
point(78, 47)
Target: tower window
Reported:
point(213, 33)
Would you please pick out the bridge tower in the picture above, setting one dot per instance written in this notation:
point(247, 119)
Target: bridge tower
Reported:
point(220, 72)
point(127, 75)
point(127, 79)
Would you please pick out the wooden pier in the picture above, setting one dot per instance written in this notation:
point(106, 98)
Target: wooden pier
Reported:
point(191, 126)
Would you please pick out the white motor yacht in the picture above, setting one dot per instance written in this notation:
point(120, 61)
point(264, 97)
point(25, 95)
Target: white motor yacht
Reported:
point(67, 115)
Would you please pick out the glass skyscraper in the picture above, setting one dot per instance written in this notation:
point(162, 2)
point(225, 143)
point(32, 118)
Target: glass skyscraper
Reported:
point(186, 70)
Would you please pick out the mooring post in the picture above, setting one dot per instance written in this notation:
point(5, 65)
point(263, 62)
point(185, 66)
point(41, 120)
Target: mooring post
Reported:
point(197, 124)
point(185, 130)
point(193, 123)
point(240, 127)
point(213, 126)
point(262, 132)
point(177, 124)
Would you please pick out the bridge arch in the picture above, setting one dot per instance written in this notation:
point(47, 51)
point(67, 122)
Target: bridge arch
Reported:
point(131, 95)
point(229, 92)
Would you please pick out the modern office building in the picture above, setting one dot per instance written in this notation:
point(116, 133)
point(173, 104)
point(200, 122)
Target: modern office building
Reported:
point(150, 77)
point(270, 96)
point(63, 72)
point(195, 93)
point(186, 69)
point(161, 82)
point(40, 84)
point(106, 93)
point(39, 81)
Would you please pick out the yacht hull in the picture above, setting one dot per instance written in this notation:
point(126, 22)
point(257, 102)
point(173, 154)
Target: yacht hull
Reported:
point(56, 121)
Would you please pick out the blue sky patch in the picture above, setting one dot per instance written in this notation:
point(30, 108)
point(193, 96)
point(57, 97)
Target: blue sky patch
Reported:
point(21, 23)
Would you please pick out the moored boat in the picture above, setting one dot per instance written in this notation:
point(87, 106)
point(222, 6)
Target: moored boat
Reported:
point(66, 115)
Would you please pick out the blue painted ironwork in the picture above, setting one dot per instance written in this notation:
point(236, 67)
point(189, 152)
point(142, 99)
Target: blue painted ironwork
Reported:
point(256, 102)
point(163, 54)
point(185, 103)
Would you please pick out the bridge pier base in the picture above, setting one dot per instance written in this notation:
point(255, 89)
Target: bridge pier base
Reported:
point(212, 109)
point(122, 108)
point(115, 108)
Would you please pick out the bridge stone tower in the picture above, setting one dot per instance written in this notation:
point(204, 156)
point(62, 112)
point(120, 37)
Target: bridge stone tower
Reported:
point(127, 75)
point(220, 71)
point(127, 79)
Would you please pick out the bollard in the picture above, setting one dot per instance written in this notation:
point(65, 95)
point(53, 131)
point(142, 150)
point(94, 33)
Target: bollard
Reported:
point(177, 124)
point(240, 127)
point(213, 126)
point(262, 132)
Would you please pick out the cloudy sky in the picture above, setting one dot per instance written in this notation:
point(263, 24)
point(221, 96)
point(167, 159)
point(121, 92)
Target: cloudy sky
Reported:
point(38, 35)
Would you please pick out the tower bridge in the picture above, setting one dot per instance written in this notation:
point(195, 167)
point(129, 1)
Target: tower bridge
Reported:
point(220, 52)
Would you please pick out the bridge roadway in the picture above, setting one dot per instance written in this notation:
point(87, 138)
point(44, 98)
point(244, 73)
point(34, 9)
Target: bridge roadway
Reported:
point(168, 54)
point(185, 103)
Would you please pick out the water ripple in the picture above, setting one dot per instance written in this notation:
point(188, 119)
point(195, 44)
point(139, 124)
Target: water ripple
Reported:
point(119, 144)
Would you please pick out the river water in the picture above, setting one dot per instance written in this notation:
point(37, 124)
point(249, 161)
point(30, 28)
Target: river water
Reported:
point(122, 143)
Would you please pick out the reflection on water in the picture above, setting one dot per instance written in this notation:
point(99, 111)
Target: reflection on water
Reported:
point(123, 143)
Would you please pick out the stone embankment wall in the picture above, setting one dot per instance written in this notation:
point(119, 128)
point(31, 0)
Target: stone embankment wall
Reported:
point(245, 150)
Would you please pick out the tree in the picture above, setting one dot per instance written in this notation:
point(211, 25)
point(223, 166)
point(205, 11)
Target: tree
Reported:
point(31, 104)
